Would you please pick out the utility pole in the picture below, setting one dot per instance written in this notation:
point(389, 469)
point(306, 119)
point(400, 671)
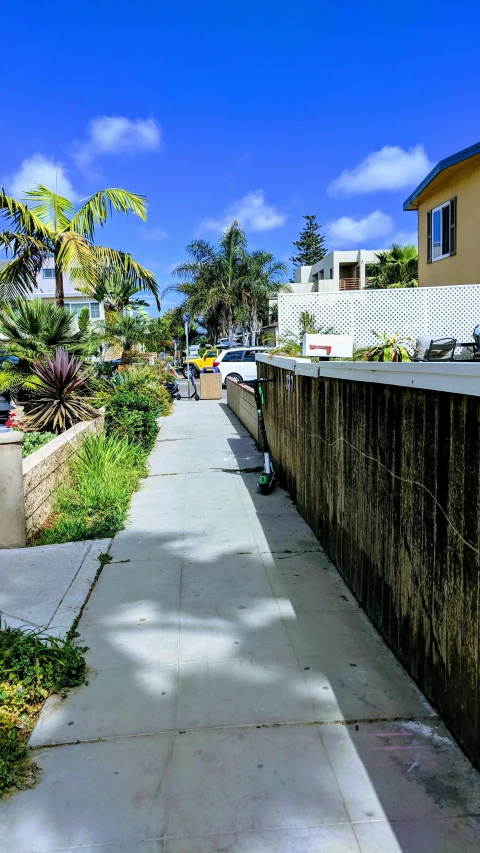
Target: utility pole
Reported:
point(186, 317)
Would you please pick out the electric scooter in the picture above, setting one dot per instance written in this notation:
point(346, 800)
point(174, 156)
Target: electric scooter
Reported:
point(194, 394)
point(267, 477)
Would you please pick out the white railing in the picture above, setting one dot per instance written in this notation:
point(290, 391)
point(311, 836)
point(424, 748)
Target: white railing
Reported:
point(451, 311)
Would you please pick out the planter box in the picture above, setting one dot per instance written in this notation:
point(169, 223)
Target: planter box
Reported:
point(43, 470)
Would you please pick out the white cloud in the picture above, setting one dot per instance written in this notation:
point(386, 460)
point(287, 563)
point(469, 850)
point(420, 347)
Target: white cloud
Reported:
point(360, 231)
point(38, 169)
point(251, 211)
point(391, 168)
point(153, 234)
point(405, 237)
point(117, 135)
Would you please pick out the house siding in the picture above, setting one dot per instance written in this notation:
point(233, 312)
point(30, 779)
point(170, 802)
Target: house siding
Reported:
point(463, 182)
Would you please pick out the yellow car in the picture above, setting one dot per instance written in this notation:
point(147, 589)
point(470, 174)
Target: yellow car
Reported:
point(197, 363)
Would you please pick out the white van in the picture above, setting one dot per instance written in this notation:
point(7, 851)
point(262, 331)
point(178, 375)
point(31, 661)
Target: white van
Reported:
point(238, 363)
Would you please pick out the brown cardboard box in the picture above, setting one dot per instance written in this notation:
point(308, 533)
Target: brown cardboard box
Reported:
point(210, 386)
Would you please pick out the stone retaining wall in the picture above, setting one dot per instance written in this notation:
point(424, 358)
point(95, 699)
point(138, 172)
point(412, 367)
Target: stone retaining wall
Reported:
point(43, 470)
point(241, 400)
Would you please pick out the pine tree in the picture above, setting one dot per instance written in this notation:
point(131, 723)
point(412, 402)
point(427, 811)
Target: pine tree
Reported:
point(310, 244)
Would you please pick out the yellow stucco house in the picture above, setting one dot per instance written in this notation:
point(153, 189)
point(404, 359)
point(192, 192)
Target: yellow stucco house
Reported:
point(448, 205)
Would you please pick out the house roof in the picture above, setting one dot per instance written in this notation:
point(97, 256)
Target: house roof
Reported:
point(459, 157)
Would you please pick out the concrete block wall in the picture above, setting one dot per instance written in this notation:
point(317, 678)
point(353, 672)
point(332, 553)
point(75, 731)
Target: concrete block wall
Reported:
point(241, 400)
point(45, 469)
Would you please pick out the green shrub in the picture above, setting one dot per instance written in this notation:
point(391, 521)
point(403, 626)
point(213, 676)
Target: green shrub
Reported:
point(146, 379)
point(16, 771)
point(93, 502)
point(31, 669)
point(32, 441)
point(132, 415)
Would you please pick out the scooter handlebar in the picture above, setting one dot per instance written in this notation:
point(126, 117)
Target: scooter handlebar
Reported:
point(254, 382)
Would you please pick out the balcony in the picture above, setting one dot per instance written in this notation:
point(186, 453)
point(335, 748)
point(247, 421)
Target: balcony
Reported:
point(349, 284)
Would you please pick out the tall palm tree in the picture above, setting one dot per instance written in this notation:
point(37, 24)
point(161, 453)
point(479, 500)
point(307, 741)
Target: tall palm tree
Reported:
point(116, 292)
point(51, 226)
point(210, 280)
point(259, 281)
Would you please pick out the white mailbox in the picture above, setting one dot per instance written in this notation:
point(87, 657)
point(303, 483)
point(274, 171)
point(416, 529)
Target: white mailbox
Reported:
point(327, 346)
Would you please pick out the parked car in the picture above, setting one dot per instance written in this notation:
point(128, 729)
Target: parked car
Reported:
point(5, 358)
point(238, 363)
point(197, 363)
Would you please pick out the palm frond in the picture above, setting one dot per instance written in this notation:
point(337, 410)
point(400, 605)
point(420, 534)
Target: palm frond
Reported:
point(23, 219)
point(15, 379)
point(52, 209)
point(133, 273)
point(12, 243)
point(77, 259)
point(100, 207)
point(19, 276)
point(30, 329)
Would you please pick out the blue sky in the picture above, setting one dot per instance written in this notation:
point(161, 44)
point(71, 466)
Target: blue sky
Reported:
point(261, 110)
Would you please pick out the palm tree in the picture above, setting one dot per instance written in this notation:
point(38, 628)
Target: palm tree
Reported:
point(51, 226)
point(225, 285)
point(127, 329)
point(32, 330)
point(397, 267)
point(259, 282)
point(210, 280)
point(117, 292)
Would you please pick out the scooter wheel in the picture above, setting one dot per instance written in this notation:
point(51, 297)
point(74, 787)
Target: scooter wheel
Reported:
point(197, 397)
point(179, 396)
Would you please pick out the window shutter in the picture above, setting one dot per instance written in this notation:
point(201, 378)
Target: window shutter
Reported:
point(453, 226)
point(429, 237)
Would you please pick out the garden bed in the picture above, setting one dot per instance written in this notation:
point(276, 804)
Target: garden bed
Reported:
point(44, 470)
point(31, 669)
point(99, 477)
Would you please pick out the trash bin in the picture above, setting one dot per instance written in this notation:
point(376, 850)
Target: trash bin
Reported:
point(210, 384)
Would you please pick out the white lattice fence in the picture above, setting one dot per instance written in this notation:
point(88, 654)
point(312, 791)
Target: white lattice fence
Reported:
point(440, 311)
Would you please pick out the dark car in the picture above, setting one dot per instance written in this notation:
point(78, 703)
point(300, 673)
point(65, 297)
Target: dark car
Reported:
point(4, 357)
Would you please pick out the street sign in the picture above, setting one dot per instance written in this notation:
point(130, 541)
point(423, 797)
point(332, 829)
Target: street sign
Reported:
point(186, 317)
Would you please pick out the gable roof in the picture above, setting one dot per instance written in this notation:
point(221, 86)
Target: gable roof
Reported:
point(472, 151)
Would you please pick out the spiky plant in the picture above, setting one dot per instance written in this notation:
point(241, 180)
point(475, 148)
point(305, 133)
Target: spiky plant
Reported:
point(62, 394)
point(291, 344)
point(31, 330)
point(389, 348)
point(50, 226)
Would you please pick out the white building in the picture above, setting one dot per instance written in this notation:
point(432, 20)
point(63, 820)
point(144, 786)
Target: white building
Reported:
point(74, 300)
point(338, 270)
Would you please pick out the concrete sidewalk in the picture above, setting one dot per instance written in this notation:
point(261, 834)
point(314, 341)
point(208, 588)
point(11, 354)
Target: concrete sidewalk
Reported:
point(45, 587)
point(239, 700)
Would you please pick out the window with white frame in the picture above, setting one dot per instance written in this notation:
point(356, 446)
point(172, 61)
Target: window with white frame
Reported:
point(76, 307)
point(441, 231)
point(48, 272)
